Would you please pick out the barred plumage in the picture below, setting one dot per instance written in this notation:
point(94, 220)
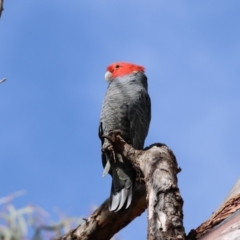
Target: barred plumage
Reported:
point(126, 107)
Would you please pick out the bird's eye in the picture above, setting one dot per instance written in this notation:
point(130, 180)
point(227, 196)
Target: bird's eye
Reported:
point(117, 66)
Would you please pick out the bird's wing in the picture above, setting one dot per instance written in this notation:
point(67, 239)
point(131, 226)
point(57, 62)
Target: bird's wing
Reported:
point(139, 115)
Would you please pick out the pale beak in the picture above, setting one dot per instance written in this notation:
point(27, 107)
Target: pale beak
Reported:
point(108, 76)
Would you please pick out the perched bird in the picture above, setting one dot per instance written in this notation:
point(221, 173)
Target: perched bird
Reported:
point(126, 107)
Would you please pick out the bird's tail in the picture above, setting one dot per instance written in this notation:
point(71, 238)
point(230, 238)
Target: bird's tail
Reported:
point(123, 177)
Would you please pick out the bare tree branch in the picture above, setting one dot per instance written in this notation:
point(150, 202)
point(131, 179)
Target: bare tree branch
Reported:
point(165, 216)
point(4, 79)
point(1, 7)
point(103, 224)
point(227, 209)
point(159, 167)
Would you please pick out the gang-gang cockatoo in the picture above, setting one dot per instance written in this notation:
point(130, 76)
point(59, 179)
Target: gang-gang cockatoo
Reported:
point(126, 107)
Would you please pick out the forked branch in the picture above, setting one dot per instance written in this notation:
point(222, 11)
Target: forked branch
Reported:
point(160, 194)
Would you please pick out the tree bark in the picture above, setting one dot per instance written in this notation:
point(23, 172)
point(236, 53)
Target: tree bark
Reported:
point(165, 215)
point(103, 224)
point(160, 193)
point(159, 167)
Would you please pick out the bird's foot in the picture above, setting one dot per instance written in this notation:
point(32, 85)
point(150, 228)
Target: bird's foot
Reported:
point(108, 148)
point(111, 140)
point(112, 135)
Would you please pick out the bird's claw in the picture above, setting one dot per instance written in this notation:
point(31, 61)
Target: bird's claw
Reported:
point(112, 135)
point(108, 147)
point(106, 168)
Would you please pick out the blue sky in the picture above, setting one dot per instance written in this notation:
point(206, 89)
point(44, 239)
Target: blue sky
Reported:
point(54, 55)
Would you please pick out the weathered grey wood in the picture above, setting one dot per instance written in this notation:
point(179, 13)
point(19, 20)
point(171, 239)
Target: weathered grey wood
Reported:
point(159, 167)
point(103, 224)
point(165, 217)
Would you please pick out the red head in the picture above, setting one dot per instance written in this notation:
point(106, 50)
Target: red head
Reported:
point(119, 69)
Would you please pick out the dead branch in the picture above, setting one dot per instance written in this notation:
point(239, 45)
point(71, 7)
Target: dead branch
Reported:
point(159, 167)
point(228, 208)
point(165, 217)
point(1, 7)
point(4, 79)
point(103, 224)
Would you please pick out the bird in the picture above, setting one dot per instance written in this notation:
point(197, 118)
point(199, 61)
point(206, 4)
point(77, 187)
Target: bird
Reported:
point(126, 107)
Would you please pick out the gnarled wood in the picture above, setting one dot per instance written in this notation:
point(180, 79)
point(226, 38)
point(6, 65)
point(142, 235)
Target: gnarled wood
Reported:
point(159, 167)
point(165, 217)
point(103, 224)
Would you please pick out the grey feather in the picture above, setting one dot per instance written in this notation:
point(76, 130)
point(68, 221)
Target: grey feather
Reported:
point(126, 107)
point(106, 169)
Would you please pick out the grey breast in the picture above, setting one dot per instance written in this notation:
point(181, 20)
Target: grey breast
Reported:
point(121, 93)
